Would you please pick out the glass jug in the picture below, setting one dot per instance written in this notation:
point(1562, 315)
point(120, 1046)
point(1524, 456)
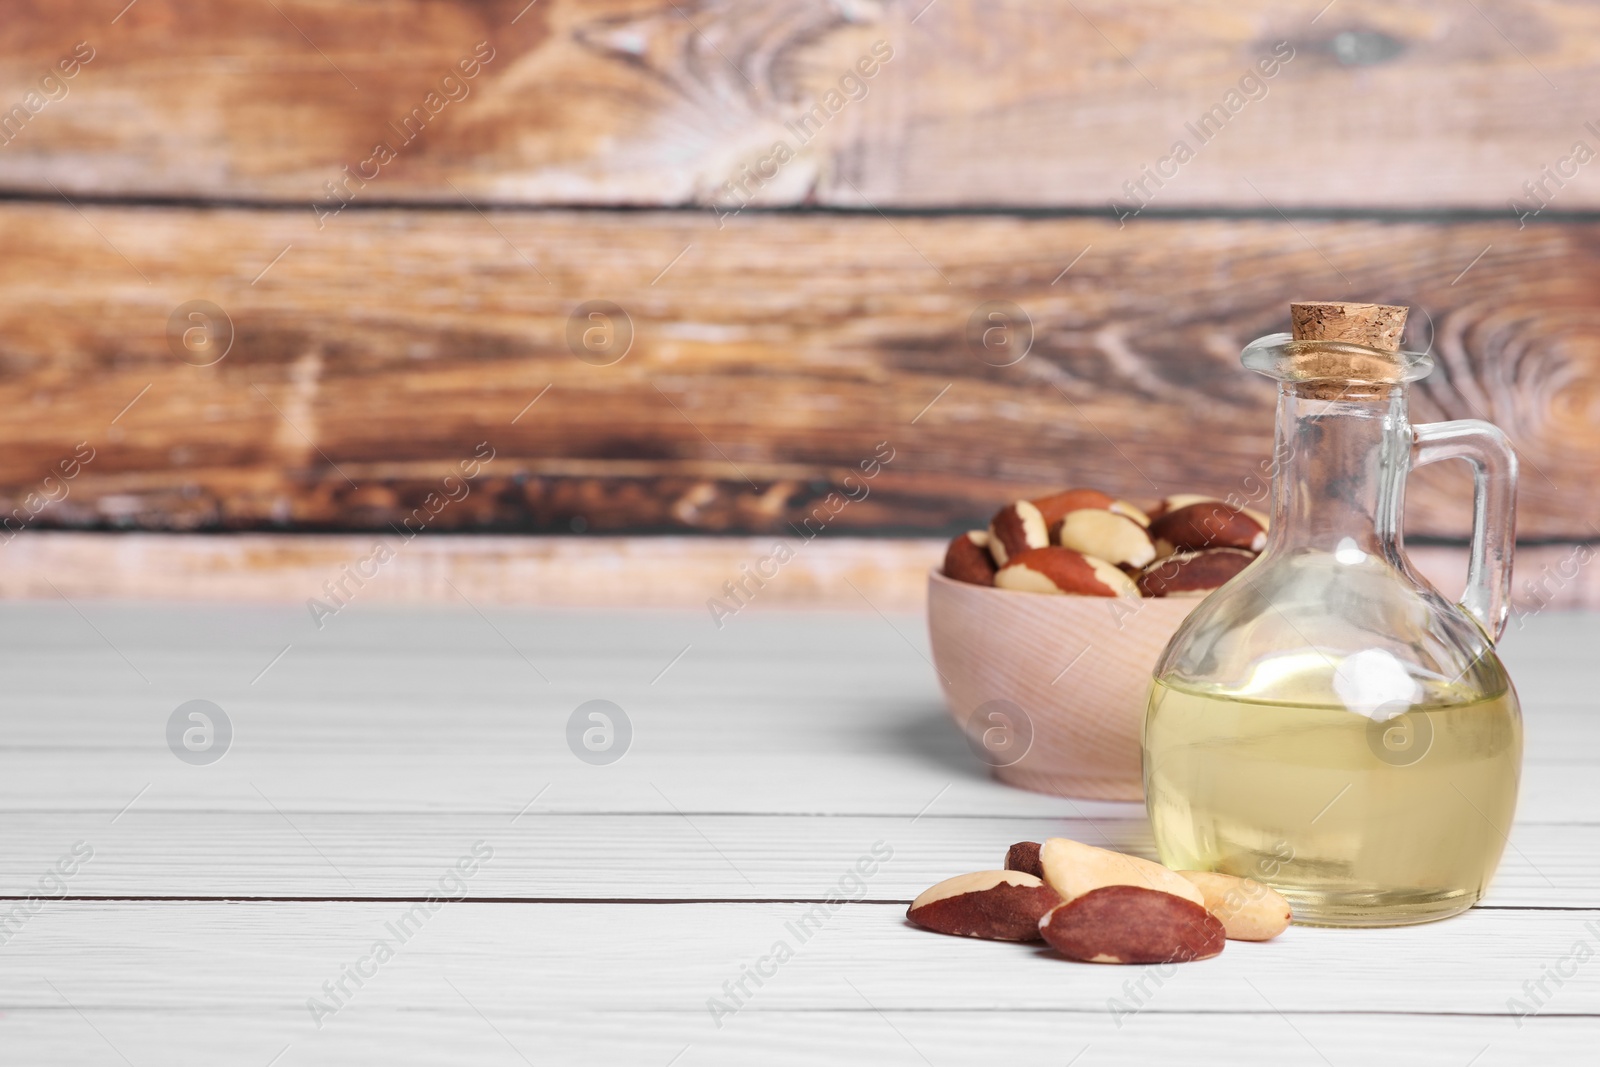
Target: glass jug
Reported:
point(1327, 723)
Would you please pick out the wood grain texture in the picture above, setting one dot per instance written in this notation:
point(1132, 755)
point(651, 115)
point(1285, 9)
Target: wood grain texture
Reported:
point(371, 713)
point(640, 856)
point(854, 574)
point(1077, 669)
point(573, 958)
point(426, 1027)
point(985, 102)
point(769, 361)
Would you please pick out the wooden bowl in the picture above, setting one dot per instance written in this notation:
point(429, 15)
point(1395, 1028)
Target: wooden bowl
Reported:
point(1051, 690)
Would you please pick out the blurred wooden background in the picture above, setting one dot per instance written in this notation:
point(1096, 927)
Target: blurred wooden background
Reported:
point(372, 334)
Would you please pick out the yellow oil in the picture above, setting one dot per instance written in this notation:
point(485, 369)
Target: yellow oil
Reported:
point(1357, 821)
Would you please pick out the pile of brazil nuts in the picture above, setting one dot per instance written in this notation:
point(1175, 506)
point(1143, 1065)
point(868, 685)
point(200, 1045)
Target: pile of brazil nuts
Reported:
point(1088, 543)
point(1099, 906)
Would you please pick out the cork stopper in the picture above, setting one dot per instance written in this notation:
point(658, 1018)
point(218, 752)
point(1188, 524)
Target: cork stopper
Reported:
point(1374, 325)
point(1351, 374)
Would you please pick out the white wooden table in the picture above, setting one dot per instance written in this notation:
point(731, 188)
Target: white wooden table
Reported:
point(765, 761)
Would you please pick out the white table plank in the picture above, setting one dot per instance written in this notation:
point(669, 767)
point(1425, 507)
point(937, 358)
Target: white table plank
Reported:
point(642, 856)
point(390, 710)
point(438, 1033)
point(768, 756)
point(558, 958)
point(442, 1033)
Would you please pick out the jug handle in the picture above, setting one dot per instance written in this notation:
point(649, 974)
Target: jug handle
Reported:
point(1494, 498)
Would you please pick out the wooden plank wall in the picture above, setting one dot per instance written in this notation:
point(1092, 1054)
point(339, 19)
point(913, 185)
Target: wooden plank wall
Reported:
point(981, 103)
point(395, 222)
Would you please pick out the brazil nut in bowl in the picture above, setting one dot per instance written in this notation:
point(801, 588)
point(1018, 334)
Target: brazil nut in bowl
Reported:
point(1045, 629)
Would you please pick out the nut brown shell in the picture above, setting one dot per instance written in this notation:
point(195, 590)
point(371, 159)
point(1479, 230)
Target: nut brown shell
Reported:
point(1056, 505)
point(1016, 528)
point(967, 559)
point(1054, 569)
point(1024, 856)
point(1193, 573)
point(1210, 524)
point(997, 905)
point(1129, 924)
point(1174, 501)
